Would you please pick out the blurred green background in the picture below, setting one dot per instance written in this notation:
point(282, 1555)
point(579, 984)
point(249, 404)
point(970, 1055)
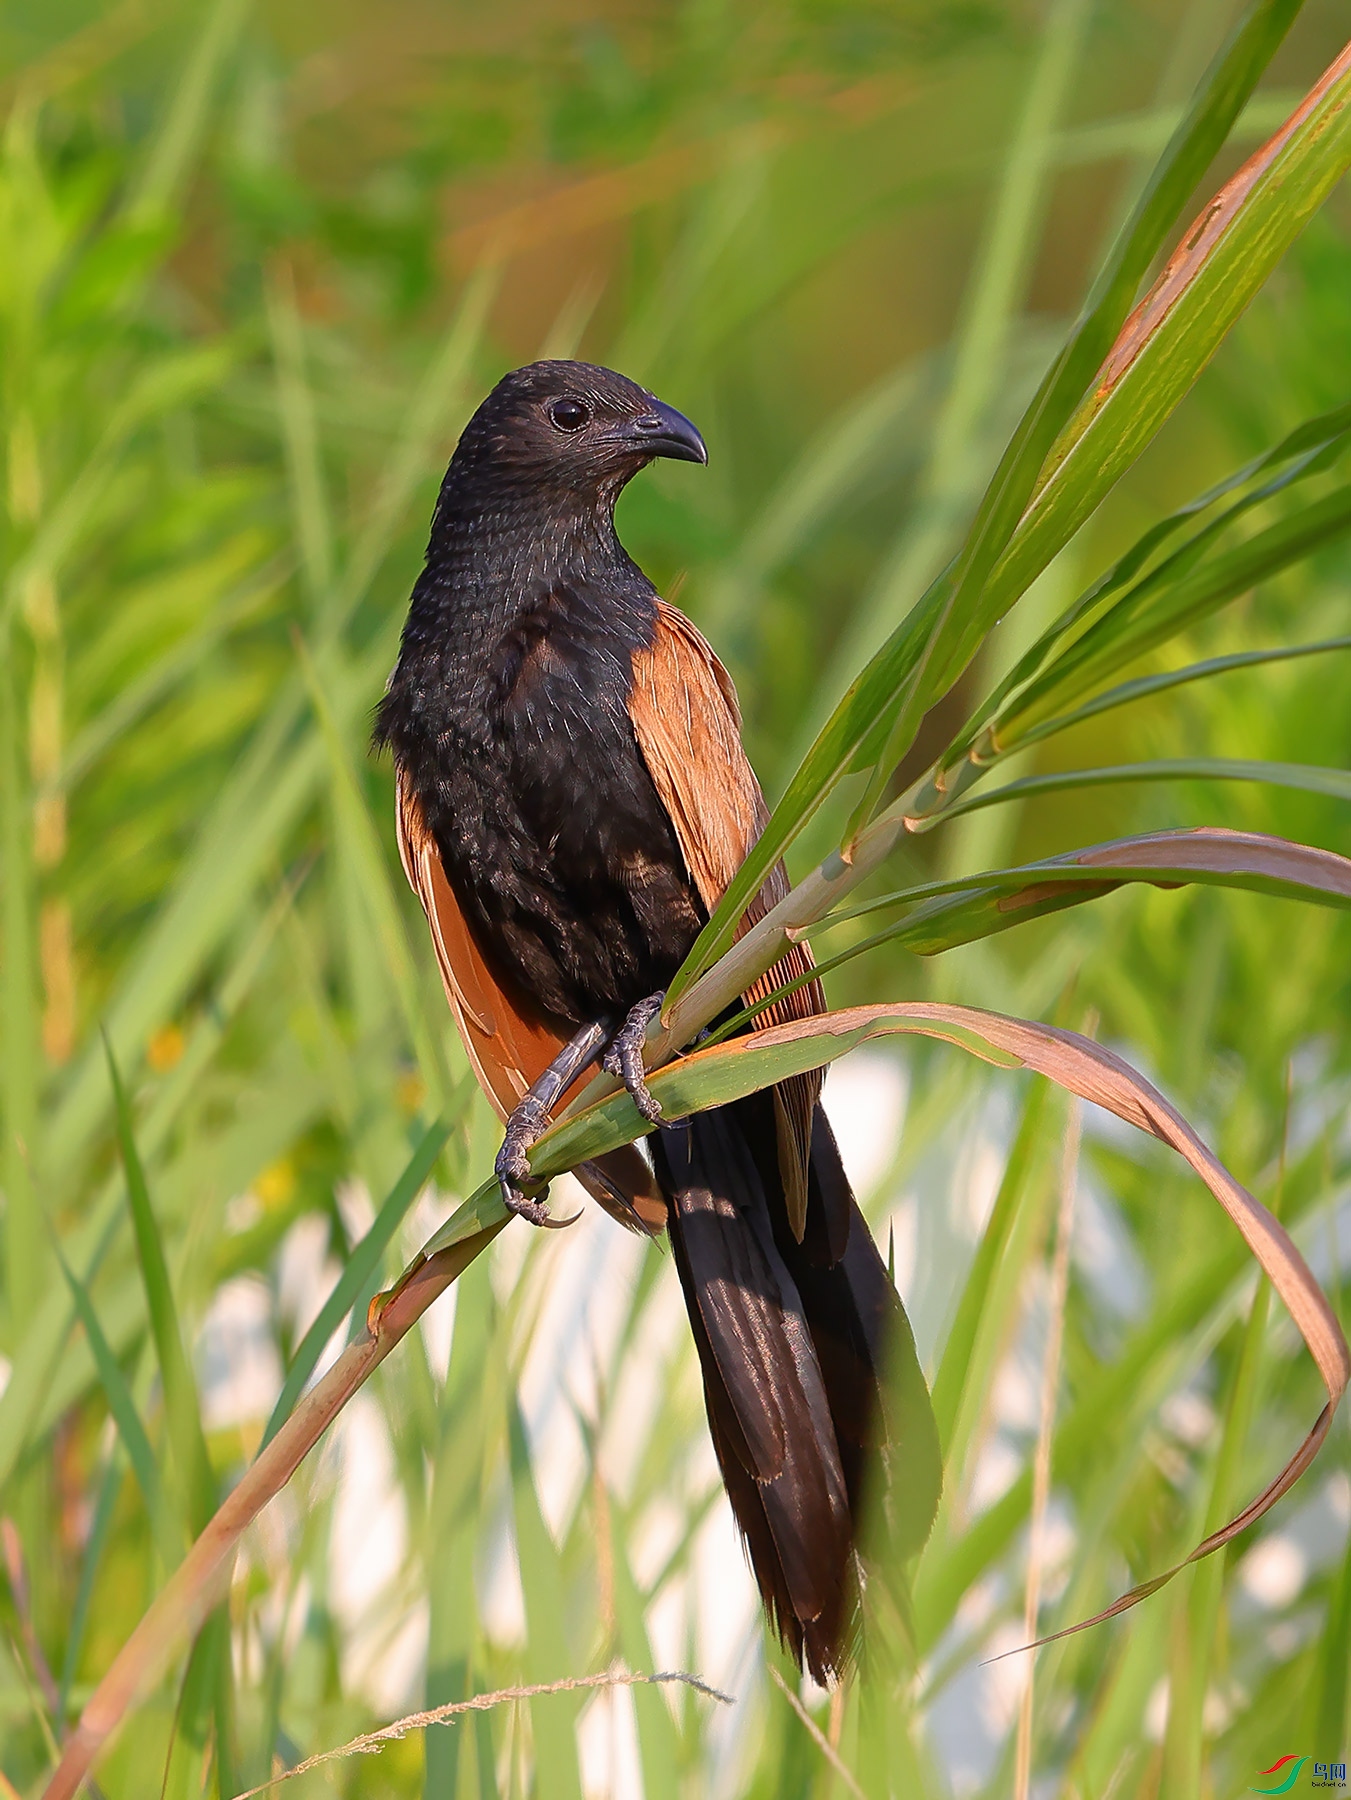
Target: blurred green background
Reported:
point(257, 265)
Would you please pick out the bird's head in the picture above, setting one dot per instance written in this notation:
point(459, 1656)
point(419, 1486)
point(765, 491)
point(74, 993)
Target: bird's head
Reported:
point(569, 430)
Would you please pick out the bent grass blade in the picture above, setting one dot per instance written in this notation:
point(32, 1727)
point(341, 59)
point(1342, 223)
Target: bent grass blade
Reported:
point(710, 1077)
point(1305, 778)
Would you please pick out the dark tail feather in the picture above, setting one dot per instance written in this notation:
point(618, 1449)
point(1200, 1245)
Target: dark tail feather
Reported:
point(794, 1340)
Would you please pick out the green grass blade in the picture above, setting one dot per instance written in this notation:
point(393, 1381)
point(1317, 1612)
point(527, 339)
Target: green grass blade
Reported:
point(1175, 1335)
point(548, 1648)
point(893, 671)
point(237, 844)
point(958, 1381)
point(1303, 777)
point(190, 1748)
point(1246, 233)
point(180, 135)
point(295, 407)
point(100, 1529)
point(25, 1248)
point(658, 1738)
point(32, 1377)
point(361, 1265)
point(1145, 686)
point(367, 860)
point(971, 597)
point(159, 389)
point(963, 911)
point(1215, 108)
point(182, 1410)
point(1194, 1645)
point(154, 684)
point(1329, 1699)
point(996, 295)
point(1169, 602)
point(470, 1406)
point(1302, 452)
point(168, 1537)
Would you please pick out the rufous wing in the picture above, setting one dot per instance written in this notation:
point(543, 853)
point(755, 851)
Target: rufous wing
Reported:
point(688, 725)
point(507, 1048)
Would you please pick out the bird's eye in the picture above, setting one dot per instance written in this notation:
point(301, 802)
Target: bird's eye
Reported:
point(569, 415)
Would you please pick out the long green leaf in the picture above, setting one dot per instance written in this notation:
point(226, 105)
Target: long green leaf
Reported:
point(873, 695)
point(1164, 605)
point(1014, 540)
point(1194, 1644)
point(161, 388)
point(181, 1406)
point(943, 914)
point(954, 1378)
point(359, 1268)
point(1303, 777)
point(363, 848)
point(1145, 686)
point(1174, 1335)
point(100, 1527)
point(1222, 262)
point(556, 1773)
point(132, 1432)
point(175, 143)
point(996, 294)
point(33, 1374)
point(1301, 453)
point(25, 1249)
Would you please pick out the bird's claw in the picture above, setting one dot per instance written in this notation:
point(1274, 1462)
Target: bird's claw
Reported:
point(512, 1166)
point(624, 1056)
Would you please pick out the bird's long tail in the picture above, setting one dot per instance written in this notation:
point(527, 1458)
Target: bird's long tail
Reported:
point(809, 1367)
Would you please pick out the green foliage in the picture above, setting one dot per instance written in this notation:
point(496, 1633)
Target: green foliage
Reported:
point(253, 274)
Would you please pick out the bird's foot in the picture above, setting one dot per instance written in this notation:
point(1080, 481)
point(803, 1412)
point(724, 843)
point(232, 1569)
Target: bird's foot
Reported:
point(512, 1166)
point(528, 1123)
point(624, 1056)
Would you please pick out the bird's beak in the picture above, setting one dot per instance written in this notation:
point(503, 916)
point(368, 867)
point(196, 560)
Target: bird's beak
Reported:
point(662, 431)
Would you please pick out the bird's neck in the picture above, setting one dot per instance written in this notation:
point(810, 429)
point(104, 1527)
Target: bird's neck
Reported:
point(490, 562)
point(535, 547)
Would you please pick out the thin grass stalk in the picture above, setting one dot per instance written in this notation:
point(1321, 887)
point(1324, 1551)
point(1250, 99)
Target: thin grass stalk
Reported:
point(1041, 1471)
point(815, 1733)
point(371, 1743)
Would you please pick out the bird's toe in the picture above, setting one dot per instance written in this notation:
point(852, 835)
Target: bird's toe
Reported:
point(624, 1057)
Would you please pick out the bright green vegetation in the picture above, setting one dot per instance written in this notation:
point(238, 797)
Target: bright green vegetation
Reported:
point(255, 267)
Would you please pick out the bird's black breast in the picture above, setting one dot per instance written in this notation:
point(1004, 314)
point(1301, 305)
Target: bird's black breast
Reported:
point(516, 735)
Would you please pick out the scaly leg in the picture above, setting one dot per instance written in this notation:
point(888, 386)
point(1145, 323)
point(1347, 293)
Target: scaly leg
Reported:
point(624, 1056)
point(530, 1118)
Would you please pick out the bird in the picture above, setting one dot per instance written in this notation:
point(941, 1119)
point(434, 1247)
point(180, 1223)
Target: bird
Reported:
point(572, 800)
